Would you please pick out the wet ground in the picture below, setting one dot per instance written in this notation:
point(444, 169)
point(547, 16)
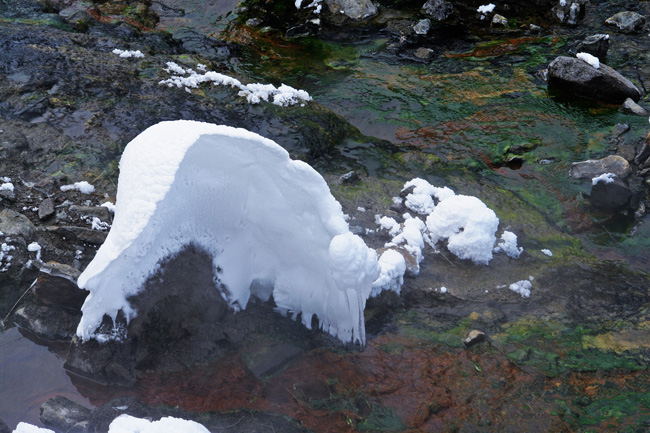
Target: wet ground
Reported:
point(475, 116)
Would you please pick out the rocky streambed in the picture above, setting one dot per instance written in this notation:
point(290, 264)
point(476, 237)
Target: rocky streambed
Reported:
point(465, 103)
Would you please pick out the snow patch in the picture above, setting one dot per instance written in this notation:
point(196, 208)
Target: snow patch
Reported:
point(508, 245)
point(592, 60)
point(34, 247)
point(522, 287)
point(128, 53)
point(393, 267)
point(259, 200)
point(23, 427)
point(605, 178)
point(129, 424)
point(83, 187)
point(547, 252)
point(7, 186)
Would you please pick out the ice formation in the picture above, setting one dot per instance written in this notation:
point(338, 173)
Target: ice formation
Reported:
point(83, 187)
point(130, 424)
point(128, 53)
point(592, 60)
point(522, 287)
point(547, 252)
point(393, 267)
point(508, 245)
point(23, 427)
point(605, 178)
point(239, 197)
point(34, 247)
point(254, 92)
point(7, 186)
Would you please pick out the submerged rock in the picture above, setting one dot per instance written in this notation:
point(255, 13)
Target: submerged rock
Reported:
point(595, 167)
point(580, 78)
point(64, 415)
point(439, 10)
point(627, 21)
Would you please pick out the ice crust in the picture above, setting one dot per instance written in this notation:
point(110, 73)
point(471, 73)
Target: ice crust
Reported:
point(130, 424)
point(238, 196)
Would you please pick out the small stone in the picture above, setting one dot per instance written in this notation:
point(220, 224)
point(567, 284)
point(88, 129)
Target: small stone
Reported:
point(62, 414)
point(535, 28)
point(644, 152)
point(7, 195)
point(627, 21)
point(611, 195)
point(57, 291)
point(473, 337)
point(100, 212)
point(253, 22)
point(83, 234)
point(631, 107)
point(422, 27)
point(350, 177)
point(439, 10)
point(499, 20)
point(46, 208)
point(593, 168)
point(356, 10)
point(15, 224)
point(424, 53)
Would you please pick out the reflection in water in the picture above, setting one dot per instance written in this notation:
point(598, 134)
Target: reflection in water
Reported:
point(31, 373)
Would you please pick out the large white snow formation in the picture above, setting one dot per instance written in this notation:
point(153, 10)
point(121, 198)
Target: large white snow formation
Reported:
point(262, 216)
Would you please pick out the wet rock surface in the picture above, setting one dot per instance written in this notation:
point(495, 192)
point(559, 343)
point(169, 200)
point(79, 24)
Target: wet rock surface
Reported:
point(62, 414)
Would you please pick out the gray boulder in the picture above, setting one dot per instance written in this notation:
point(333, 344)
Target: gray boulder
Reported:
point(596, 45)
point(15, 224)
point(631, 107)
point(610, 195)
point(356, 10)
point(595, 167)
point(627, 21)
point(422, 27)
point(439, 10)
point(580, 78)
point(64, 415)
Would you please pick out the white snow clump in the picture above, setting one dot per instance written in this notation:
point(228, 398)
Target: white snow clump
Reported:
point(7, 186)
point(393, 267)
point(239, 197)
point(83, 187)
point(522, 287)
point(129, 424)
point(508, 245)
point(23, 427)
point(547, 252)
point(592, 60)
point(34, 247)
point(128, 53)
point(5, 258)
point(254, 93)
point(605, 178)
point(485, 9)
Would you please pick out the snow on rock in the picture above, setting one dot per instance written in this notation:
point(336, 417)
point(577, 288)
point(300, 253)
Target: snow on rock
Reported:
point(547, 252)
point(129, 424)
point(239, 197)
point(393, 267)
point(468, 225)
point(410, 238)
point(109, 205)
point(5, 257)
point(421, 199)
point(83, 187)
point(254, 92)
point(485, 9)
point(34, 247)
point(605, 178)
point(7, 186)
point(592, 60)
point(522, 287)
point(23, 427)
point(128, 53)
point(508, 245)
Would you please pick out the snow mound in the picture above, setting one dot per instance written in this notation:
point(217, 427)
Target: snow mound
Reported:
point(83, 187)
point(592, 60)
point(130, 424)
point(522, 287)
point(468, 225)
point(393, 267)
point(128, 53)
point(508, 245)
point(604, 178)
point(259, 214)
point(23, 427)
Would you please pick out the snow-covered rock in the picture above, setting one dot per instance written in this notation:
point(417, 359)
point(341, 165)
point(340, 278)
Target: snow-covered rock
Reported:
point(239, 197)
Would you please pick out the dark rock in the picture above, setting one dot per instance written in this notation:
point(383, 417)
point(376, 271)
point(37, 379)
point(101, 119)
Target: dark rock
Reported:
point(100, 212)
point(473, 337)
point(264, 361)
point(15, 224)
point(610, 195)
point(55, 291)
point(570, 12)
point(5, 194)
point(439, 10)
point(580, 78)
point(356, 10)
point(499, 20)
point(631, 107)
point(596, 45)
point(644, 152)
point(51, 324)
point(595, 167)
point(64, 415)
point(84, 234)
point(102, 417)
point(4, 428)
point(350, 177)
point(626, 151)
point(424, 53)
point(46, 208)
point(627, 21)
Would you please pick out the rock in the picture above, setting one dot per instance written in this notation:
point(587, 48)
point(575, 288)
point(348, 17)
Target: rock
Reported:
point(83, 234)
point(569, 12)
point(51, 324)
point(58, 292)
point(350, 177)
point(639, 213)
point(100, 212)
point(499, 20)
point(265, 361)
point(412, 264)
point(5, 194)
point(64, 415)
point(4, 428)
point(627, 21)
point(596, 45)
point(580, 78)
point(356, 10)
point(595, 167)
point(611, 195)
point(439, 10)
point(631, 107)
point(422, 27)
point(424, 53)
point(15, 224)
point(46, 208)
point(473, 337)
point(644, 152)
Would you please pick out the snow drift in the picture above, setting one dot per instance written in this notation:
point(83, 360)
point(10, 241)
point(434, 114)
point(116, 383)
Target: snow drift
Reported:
point(265, 219)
